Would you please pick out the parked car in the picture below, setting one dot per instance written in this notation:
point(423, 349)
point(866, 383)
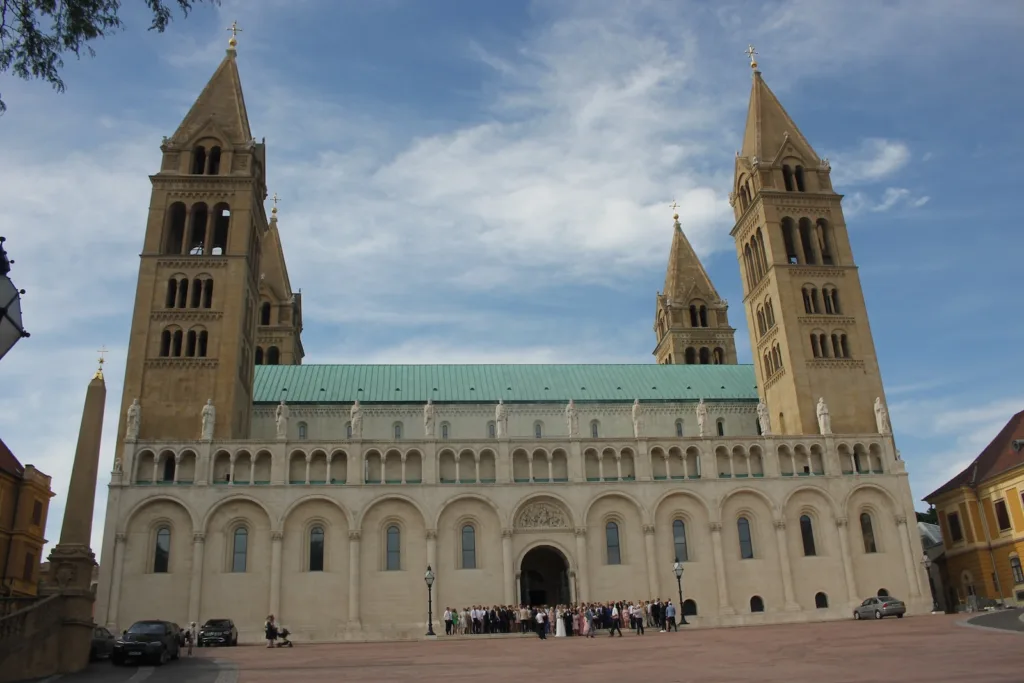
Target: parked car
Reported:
point(152, 641)
point(217, 632)
point(102, 643)
point(876, 608)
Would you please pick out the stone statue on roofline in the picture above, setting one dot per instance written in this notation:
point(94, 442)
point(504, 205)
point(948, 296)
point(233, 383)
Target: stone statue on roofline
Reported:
point(209, 418)
point(638, 419)
point(428, 418)
point(355, 414)
point(501, 419)
point(824, 419)
point(702, 417)
point(281, 417)
point(764, 419)
point(572, 419)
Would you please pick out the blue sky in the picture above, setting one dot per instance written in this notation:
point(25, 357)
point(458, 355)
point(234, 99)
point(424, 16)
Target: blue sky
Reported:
point(489, 182)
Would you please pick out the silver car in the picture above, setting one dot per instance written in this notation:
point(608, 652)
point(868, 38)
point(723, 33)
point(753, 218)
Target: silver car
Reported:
point(876, 608)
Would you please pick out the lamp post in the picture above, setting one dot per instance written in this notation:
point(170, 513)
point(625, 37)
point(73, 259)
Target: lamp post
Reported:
point(11, 331)
point(677, 567)
point(429, 578)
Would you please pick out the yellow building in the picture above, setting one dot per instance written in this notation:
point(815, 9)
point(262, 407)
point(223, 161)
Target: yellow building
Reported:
point(981, 513)
point(24, 501)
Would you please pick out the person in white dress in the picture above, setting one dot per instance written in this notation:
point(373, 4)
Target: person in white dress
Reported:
point(559, 623)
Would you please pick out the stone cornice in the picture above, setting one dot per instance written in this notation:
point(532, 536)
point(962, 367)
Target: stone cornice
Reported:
point(769, 336)
point(771, 381)
point(183, 262)
point(809, 271)
point(832, 363)
point(825, 320)
point(181, 363)
point(185, 314)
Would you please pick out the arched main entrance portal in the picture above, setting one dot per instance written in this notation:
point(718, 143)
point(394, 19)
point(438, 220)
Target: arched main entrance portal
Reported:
point(544, 578)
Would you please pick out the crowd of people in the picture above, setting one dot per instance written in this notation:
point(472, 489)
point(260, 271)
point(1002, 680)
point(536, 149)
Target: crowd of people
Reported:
point(564, 620)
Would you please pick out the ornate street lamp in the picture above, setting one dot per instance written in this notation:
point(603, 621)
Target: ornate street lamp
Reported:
point(11, 330)
point(429, 578)
point(677, 567)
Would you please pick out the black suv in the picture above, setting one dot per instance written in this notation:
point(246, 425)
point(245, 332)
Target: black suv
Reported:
point(154, 641)
point(217, 632)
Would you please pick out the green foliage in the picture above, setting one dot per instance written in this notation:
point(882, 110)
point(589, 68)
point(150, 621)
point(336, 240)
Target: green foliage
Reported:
point(929, 517)
point(36, 34)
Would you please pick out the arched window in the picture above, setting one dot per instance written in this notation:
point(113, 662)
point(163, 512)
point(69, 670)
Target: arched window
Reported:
point(208, 293)
point(1018, 573)
point(693, 316)
point(397, 430)
point(594, 429)
point(172, 293)
point(182, 292)
point(807, 241)
point(239, 549)
point(761, 326)
point(174, 232)
point(823, 344)
point(679, 539)
point(197, 293)
point(837, 351)
point(221, 223)
point(273, 356)
point(788, 229)
point(844, 346)
point(265, 313)
point(303, 430)
point(196, 239)
point(348, 430)
point(705, 355)
point(198, 160)
point(190, 343)
point(769, 313)
point(213, 163)
point(690, 356)
point(165, 343)
point(444, 430)
point(756, 604)
point(721, 426)
point(162, 551)
point(611, 535)
point(259, 355)
point(748, 262)
point(821, 600)
point(824, 241)
point(316, 549)
point(169, 465)
point(868, 533)
point(787, 177)
point(807, 535)
point(679, 428)
point(538, 430)
point(176, 344)
point(689, 608)
point(798, 174)
point(703, 311)
point(492, 430)
point(468, 547)
point(394, 549)
point(746, 542)
point(883, 593)
point(718, 356)
point(807, 300)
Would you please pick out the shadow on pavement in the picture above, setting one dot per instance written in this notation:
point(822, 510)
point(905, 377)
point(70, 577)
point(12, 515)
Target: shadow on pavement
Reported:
point(185, 670)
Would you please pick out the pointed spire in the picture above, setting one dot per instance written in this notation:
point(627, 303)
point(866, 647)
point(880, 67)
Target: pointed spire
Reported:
point(768, 124)
point(78, 510)
point(220, 104)
point(685, 276)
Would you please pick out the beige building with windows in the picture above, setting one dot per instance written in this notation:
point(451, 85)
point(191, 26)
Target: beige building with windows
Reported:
point(321, 493)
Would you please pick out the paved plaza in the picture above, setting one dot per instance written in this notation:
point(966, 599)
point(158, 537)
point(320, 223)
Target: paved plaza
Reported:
point(930, 649)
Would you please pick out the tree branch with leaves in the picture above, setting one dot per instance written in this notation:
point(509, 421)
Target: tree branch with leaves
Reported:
point(35, 35)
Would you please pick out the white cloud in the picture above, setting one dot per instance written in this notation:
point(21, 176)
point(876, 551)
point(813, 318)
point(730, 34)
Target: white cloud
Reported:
point(876, 159)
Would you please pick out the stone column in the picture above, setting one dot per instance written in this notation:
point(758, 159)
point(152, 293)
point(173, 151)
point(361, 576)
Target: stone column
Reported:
point(519, 588)
point(844, 550)
point(252, 468)
point(582, 563)
point(177, 466)
point(196, 584)
point(275, 573)
point(432, 563)
point(787, 573)
point(156, 469)
point(458, 469)
point(353, 577)
point(506, 565)
point(330, 458)
point(724, 607)
point(309, 461)
point(72, 560)
point(115, 588)
point(231, 472)
point(908, 559)
point(652, 567)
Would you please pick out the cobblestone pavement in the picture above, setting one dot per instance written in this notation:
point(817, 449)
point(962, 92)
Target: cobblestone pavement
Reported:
point(185, 670)
point(928, 649)
point(1007, 620)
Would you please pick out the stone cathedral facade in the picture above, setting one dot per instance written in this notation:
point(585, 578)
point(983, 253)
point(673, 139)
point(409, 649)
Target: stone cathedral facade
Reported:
point(320, 493)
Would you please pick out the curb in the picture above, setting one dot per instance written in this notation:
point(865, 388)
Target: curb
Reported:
point(967, 623)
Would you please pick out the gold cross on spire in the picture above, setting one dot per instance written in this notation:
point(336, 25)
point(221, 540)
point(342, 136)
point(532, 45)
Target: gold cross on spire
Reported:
point(675, 209)
point(275, 199)
point(750, 52)
point(102, 351)
point(234, 33)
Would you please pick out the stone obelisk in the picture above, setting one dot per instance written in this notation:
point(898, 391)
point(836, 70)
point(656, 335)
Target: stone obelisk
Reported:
point(72, 560)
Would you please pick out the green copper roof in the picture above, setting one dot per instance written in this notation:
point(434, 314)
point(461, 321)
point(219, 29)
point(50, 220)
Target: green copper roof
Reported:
point(513, 383)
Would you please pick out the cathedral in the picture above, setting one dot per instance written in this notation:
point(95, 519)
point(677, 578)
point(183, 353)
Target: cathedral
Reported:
point(246, 483)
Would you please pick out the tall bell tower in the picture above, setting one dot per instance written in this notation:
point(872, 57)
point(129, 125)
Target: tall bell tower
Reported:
point(803, 300)
point(194, 324)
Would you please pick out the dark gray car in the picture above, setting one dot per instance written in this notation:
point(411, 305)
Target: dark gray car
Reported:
point(876, 608)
